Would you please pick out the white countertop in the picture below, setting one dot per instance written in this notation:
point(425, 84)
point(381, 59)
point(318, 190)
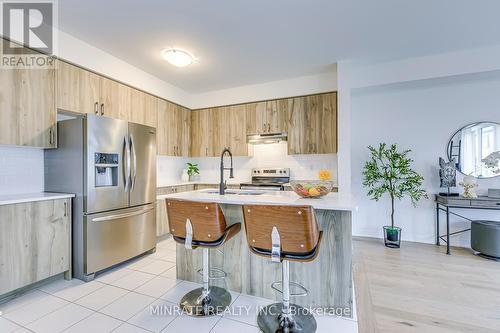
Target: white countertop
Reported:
point(10, 199)
point(180, 183)
point(332, 201)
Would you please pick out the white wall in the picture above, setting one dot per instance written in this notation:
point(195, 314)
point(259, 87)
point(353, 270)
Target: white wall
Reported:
point(270, 155)
point(422, 116)
point(270, 90)
point(88, 56)
point(21, 170)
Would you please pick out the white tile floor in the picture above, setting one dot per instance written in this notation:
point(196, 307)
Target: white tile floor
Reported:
point(121, 300)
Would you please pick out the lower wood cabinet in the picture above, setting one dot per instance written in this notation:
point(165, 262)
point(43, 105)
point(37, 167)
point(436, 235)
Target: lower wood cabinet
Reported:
point(162, 227)
point(35, 242)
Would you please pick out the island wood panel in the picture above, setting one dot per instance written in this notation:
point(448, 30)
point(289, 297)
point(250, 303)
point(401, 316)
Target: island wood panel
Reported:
point(78, 90)
point(27, 107)
point(34, 242)
point(328, 278)
point(202, 133)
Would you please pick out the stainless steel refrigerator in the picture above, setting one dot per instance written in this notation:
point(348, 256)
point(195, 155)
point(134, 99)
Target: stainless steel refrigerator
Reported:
point(110, 165)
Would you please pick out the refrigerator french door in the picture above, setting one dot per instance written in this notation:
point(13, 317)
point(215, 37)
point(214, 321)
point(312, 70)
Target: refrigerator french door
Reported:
point(110, 165)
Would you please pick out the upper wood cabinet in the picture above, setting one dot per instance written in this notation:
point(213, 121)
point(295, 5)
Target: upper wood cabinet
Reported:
point(221, 136)
point(217, 128)
point(27, 107)
point(311, 124)
point(78, 90)
point(173, 129)
point(236, 136)
point(143, 108)
point(116, 100)
point(81, 91)
point(265, 117)
point(202, 133)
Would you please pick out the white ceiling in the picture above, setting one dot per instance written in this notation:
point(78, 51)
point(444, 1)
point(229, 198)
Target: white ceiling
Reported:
point(242, 42)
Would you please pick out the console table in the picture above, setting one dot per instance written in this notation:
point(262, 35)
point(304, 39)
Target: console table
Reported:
point(446, 204)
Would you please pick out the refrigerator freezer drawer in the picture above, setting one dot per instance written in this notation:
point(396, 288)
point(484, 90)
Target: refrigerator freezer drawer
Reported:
point(116, 236)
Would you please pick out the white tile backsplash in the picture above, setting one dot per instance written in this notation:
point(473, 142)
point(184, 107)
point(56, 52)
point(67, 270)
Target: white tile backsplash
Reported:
point(21, 170)
point(269, 155)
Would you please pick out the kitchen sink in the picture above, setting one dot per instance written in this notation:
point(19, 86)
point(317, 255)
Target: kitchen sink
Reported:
point(237, 192)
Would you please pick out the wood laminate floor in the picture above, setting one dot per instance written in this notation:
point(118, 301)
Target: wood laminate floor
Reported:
point(419, 288)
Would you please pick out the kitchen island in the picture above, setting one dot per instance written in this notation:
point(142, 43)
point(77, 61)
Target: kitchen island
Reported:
point(328, 278)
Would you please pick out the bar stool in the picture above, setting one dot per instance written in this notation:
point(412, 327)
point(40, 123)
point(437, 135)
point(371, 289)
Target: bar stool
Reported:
point(202, 225)
point(284, 234)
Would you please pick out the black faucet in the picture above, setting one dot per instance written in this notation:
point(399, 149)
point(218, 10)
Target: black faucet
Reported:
point(222, 186)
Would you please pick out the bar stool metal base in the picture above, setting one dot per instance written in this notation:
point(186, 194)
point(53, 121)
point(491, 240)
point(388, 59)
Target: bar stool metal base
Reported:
point(194, 305)
point(270, 320)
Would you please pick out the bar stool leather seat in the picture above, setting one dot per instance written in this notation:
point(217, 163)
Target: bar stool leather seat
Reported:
point(201, 225)
point(284, 234)
point(229, 233)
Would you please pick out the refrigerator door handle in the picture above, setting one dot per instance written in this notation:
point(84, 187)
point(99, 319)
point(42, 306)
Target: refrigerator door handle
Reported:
point(126, 169)
point(134, 162)
point(124, 215)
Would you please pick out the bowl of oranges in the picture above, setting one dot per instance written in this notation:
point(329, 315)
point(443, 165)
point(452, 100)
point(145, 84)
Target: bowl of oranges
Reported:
point(311, 189)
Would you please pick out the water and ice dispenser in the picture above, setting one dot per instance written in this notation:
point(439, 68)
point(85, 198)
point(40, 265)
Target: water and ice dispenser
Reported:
point(106, 169)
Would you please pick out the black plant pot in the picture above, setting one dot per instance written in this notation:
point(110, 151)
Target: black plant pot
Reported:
point(392, 237)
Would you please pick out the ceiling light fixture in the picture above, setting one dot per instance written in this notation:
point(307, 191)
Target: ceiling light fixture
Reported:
point(178, 58)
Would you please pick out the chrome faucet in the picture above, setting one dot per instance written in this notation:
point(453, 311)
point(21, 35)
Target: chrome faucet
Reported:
point(222, 186)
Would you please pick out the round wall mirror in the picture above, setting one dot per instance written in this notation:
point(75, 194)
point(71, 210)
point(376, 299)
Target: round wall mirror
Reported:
point(475, 149)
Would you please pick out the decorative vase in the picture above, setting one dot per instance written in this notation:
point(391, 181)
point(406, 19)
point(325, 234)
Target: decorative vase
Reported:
point(185, 176)
point(392, 236)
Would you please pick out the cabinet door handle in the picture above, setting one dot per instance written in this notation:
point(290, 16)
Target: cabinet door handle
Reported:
point(96, 106)
point(268, 127)
point(50, 136)
point(206, 151)
point(65, 208)
point(264, 128)
point(102, 109)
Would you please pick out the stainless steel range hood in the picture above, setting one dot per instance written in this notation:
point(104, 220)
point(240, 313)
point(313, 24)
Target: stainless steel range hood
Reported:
point(257, 139)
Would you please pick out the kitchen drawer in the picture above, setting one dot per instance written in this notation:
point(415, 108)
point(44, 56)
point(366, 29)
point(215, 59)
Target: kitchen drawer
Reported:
point(485, 203)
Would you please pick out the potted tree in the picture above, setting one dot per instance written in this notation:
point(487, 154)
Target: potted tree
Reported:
point(389, 171)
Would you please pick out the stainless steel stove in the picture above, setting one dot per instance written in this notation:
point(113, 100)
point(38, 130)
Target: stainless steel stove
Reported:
point(268, 179)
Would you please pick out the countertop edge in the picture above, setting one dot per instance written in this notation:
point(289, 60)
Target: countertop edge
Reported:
point(333, 203)
point(11, 199)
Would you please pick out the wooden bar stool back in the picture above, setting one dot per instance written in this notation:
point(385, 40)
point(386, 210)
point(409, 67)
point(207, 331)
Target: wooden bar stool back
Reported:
point(202, 224)
point(283, 234)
